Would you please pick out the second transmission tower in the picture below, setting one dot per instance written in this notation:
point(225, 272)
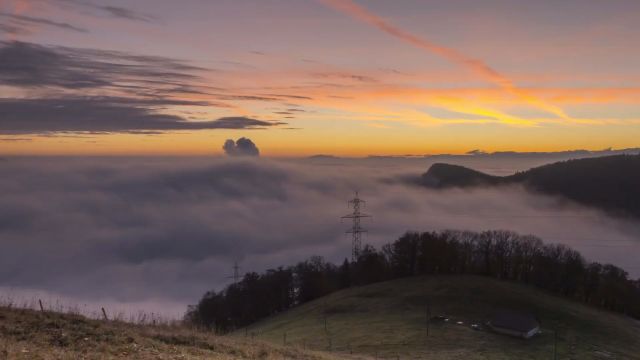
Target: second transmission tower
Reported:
point(356, 230)
point(236, 273)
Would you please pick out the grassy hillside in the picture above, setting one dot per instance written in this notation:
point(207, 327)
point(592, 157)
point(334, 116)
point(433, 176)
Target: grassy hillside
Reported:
point(389, 319)
point(27, 334)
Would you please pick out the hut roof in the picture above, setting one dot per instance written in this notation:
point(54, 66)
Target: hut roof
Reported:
point(514, 320)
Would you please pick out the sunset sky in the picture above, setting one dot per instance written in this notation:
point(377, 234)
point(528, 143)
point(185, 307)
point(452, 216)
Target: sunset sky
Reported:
point(304, 77)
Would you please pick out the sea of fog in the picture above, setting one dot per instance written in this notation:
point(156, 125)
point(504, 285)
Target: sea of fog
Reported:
point(154, 234)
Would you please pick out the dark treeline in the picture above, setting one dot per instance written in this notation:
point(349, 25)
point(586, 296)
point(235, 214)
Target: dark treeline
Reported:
point(499, 254)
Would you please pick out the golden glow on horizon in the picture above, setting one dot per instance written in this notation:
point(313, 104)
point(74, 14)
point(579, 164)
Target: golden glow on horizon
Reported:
point(376, 141)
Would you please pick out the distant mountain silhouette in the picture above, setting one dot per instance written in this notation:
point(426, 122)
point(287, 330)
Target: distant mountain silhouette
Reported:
point(611, 183)
point(442, 175)
point(322, 156)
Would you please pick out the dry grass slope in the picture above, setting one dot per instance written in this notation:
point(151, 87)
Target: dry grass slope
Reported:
point(27, 334)
point(388, 319)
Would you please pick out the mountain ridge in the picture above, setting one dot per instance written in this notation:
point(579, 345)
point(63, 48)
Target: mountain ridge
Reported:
point(609, 183)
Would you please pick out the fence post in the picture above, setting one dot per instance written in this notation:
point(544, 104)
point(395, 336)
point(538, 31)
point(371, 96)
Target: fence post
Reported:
point(41, 307)
point(428, 316)
point(555, 343)
point(104, 314)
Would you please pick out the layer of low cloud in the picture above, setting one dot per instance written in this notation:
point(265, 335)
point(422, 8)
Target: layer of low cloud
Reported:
point(131, 231)
point(240, 147)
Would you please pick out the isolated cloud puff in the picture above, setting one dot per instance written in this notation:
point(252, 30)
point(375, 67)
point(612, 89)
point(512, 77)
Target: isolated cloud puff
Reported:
point(240, 147)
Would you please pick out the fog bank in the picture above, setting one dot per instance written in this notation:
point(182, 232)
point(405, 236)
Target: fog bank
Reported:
point(134, 232)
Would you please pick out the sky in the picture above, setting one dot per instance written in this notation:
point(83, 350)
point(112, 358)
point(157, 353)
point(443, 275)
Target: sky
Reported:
point(342, 77)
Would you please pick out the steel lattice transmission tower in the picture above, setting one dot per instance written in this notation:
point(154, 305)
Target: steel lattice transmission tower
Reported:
point(356, 230)
point(236, 273)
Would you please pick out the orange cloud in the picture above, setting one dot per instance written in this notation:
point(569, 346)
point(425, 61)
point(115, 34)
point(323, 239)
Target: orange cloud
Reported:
point(475, 65)
point(22, 6)
point(19, 7)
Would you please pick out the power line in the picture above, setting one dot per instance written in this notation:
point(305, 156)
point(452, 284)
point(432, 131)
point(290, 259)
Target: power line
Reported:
point(499, 216)
point(356, 230)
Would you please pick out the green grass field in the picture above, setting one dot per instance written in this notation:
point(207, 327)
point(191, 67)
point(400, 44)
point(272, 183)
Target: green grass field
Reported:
point(388, 320)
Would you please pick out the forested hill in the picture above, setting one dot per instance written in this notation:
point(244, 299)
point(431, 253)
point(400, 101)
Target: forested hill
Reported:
point(503, 255)
point(609, 183)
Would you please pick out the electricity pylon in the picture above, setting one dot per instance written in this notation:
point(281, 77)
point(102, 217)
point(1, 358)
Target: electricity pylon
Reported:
point(236, 273)
point(356, 230)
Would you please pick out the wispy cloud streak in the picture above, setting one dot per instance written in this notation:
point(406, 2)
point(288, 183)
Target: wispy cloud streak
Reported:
point(26, 21)
point(475, 65)
point(110, 10)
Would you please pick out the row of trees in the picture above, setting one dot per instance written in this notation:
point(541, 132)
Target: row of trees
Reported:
point(500, 254)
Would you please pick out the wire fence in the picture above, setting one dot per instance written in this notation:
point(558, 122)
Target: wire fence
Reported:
point(92, 311)
point(558, 342)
